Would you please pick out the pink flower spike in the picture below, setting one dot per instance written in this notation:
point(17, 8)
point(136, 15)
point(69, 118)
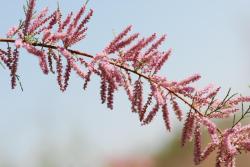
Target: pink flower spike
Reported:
point(55, 37)
point(211, 126)
point(187, 81)
point(118, 38)
point(151, 115)
point(148, 40)
point(38, 21)
point(53, 19)
point(66, 22)
point(213, 93)
point(29, 14)
point(40, 54)
point(163, 59)
point(125, 42)
point(110, 97)
point(197, 144)
point(165, 115)
point(227, 142)
point(78, 16)
point(19, 43)
point(188, 129)
point(72, 63)
point(103, 89)
point(208, 150)
point(157, 94)
point(246, 145)
point(205, 90)
point(240, 100)
point(46, 35)
point(82, 24)
point(156, 44)
point(177, 110)
point(11, 31)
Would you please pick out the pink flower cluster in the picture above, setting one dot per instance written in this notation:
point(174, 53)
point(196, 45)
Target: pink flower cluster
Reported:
point(52, 31)
point(228, 143)
point(10, 58)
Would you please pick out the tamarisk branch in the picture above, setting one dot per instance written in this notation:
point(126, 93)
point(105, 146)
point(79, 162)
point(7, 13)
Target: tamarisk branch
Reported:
point(49, 37)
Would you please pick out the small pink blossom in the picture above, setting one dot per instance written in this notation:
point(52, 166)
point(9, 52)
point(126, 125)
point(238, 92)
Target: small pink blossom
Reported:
point(72, 62)
point(38, 21)
point(12, 31)
point(192, 78)
point(177, 110)
point(188, 129)
point(118, 38)
point(19, 43)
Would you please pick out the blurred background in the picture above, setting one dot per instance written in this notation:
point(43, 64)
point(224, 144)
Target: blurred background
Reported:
point(42, 127)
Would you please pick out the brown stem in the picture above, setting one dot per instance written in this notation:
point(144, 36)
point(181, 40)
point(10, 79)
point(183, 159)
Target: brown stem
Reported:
point(118, 65)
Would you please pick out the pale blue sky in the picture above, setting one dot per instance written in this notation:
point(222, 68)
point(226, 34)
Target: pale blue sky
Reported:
point(209, 37)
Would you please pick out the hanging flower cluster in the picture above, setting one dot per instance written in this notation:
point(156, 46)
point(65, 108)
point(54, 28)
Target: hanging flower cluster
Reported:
point(51, 30)
point(130, 62)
